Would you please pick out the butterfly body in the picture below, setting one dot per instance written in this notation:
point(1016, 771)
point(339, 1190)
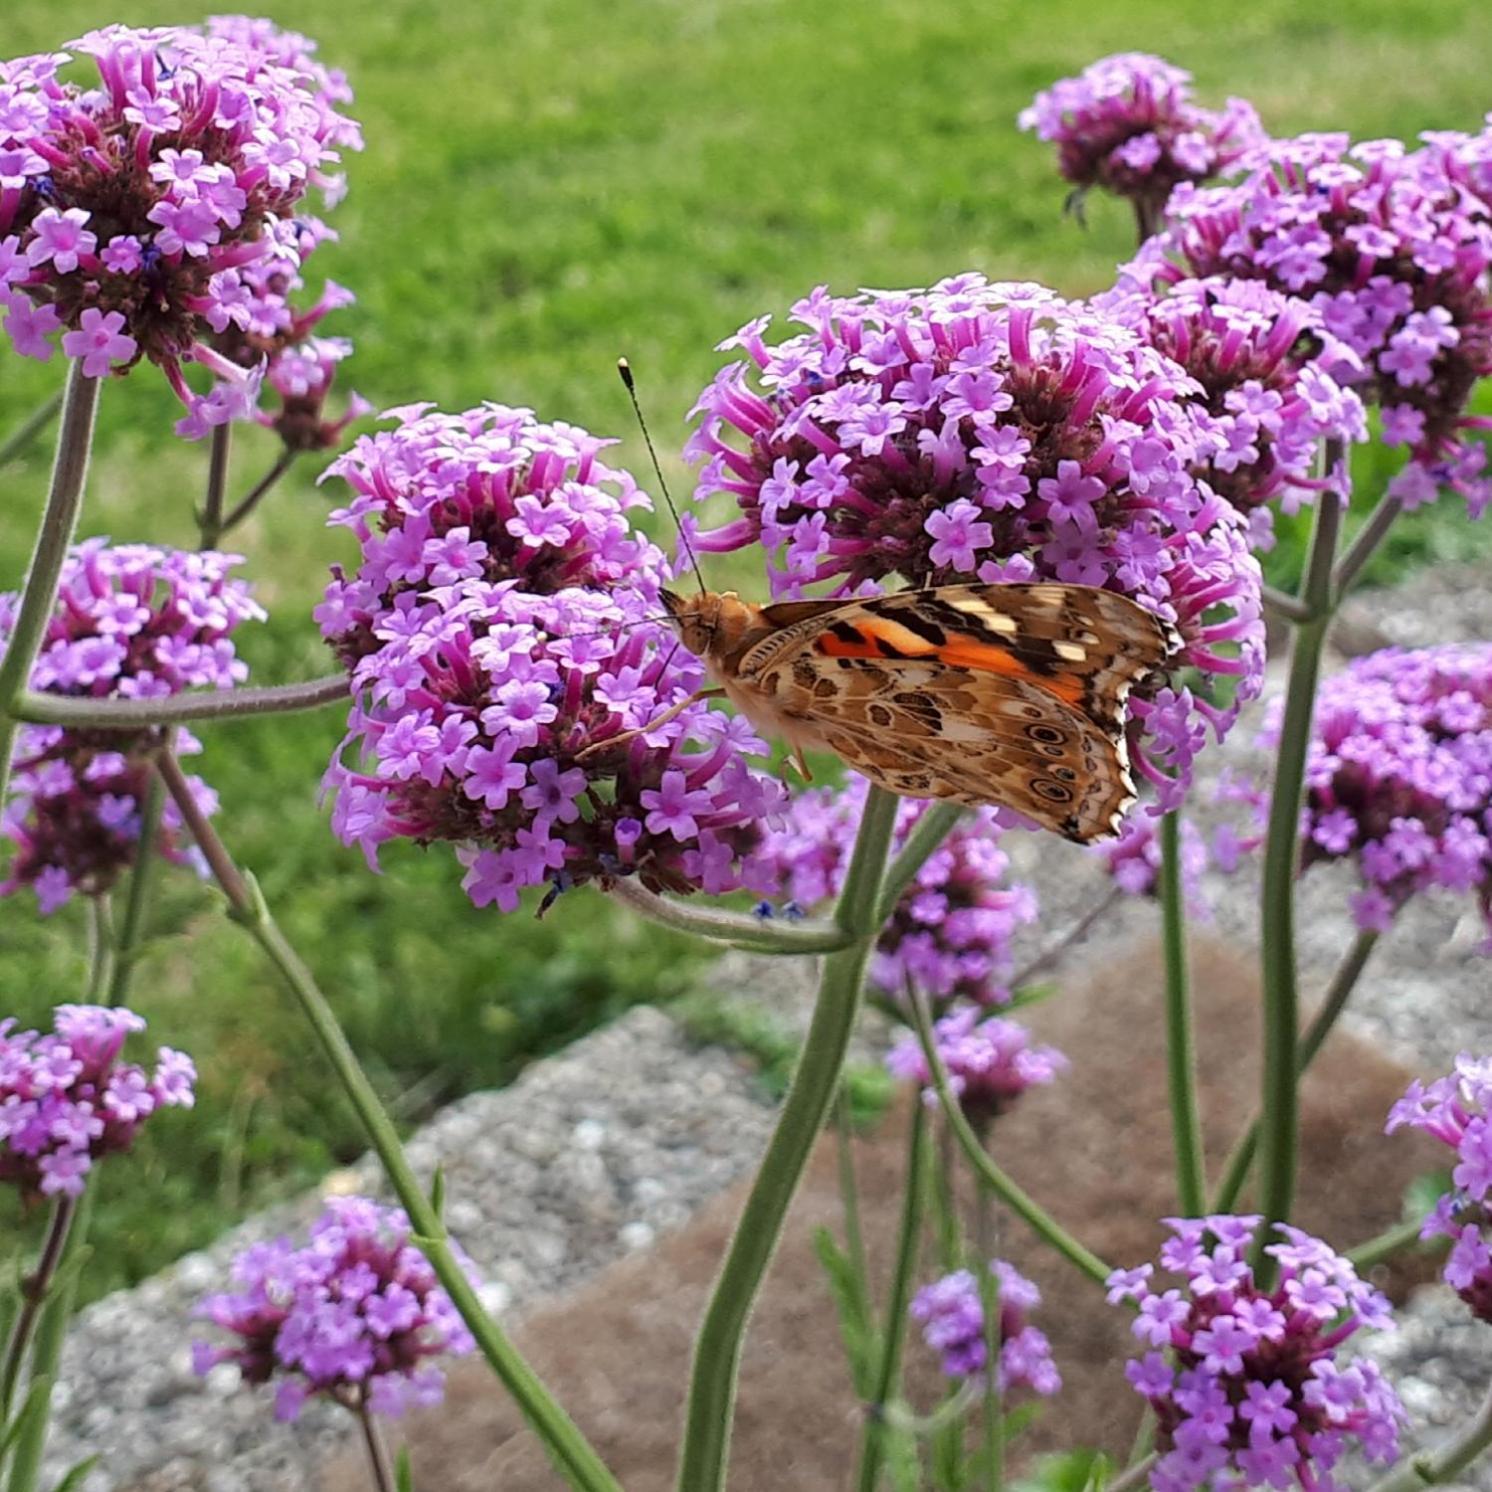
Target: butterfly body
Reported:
point(1012, 694)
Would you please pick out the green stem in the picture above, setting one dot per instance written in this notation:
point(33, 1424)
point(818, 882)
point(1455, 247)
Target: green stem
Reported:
point(582, 1467)
point(1365, 543)
point(59, 522)
point(101, 946)
point(46, 1353)
point(34, 1291)
point(779, 935)
point(378, 1452)
point(717, 1350)
point(1279, 1132)
point(1283, 604)
point(258, 491)
point(1443, 1465)
point(1133, 1476)
point(986, 1248)
point(1024, 1207)
point(16, 442)
point(176, 709)
point(210, 520)
point(854, 1236)
point(1241, 1160)
point(1386, 1244)
point(1055, 950)
point(888, 1370)
point(126, 949)
point(926, 835)
point(1181, 1055)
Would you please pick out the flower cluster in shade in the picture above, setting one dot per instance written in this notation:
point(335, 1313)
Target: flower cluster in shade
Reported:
point(1250, 1386)
point(131, 622)
point(505, 637)
point(952, 1317)
point(66, 1099)
point(1399, 776)
point(1260, 361)
point(950, 933)
point(1457, 1110)
point(982, 432)
point(138, 213)
point(355, 1314)
point(1129, 124)
point(989, 1060)
point(1392, 253)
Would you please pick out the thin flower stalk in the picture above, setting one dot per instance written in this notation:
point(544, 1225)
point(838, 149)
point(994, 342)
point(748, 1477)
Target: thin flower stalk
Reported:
point(379, 1462)
point(35, 1288)
point(888, 1370)
point(17, 442)
point(210, 520)
point(1385, 1245)
point(137, 898)
point(1181, 1055)
point(757, 934)
point(717, 1353)
point(1280, 1132)
point(258, 492)
point(208, 704)
point(1343, 981)
point(1031, 1212)
point(581, 1466)
point(60, 520)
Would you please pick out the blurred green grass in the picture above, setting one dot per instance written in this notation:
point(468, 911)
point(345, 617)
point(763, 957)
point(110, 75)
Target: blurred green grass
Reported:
point(548, 184)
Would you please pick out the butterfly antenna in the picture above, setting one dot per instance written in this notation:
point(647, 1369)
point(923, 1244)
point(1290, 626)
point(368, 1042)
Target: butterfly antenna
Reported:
point(624, 370)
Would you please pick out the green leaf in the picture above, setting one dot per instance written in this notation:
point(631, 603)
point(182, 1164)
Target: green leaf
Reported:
point(438, 1193)
point(403, 1471)
point(1072, 1471)
point(75, 1475)
point(37, 1401)
point(848, 1291)
point(1424, 1191)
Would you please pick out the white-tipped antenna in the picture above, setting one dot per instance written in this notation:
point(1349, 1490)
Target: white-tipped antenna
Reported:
point(624, 369)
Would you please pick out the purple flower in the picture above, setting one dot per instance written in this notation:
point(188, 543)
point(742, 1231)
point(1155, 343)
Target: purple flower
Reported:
point(131, 621)
point(952, 1317)
point(951, 932)
point(1128, 124)
point(355, 1315)
point(502, 630)
point(1457, 1110)
point(66, 1099)
point(1391, 252)
point(140, 206)
point(1032, 439)
point(990, 1061)
point(1250, 1383)
point(1399, 776)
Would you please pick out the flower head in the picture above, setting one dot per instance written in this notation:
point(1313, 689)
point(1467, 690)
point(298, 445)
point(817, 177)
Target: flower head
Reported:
point(505, 647)
point(355, 1315)
point(952, 1317)
point(132, 621)
point(66, 1099)
point(1252, 1384)
point(979, 432)
point(990, 1061)
point(951, 931)
point(1259, 360)
point(1457, 1110)
point(1128, 124)
point(1393, 255)
point(137, 214)
point(1399, 777)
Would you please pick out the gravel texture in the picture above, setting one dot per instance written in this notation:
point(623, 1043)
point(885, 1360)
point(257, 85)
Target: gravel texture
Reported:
point(587, 1157)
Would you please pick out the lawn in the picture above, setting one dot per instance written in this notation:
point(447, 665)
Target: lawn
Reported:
point(550, 183)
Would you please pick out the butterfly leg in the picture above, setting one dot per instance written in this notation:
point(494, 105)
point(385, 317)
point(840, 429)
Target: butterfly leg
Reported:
point(672, 713)
point(800, 763)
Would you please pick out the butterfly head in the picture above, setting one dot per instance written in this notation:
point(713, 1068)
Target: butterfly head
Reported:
point(710, 623)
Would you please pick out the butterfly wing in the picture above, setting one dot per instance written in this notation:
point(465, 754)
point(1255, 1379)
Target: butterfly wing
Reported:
point(1006, 694)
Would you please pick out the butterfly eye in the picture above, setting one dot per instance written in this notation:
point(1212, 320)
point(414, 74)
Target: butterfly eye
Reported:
point(1048, 735)
point(1053, 792)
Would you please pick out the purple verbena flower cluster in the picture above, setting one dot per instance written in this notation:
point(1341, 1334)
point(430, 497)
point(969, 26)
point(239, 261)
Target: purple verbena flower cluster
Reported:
point(355, 1314)
point(952, 1317)
point(983, 432)
point(133, 212)
point(66, 1099)
point(989, 1060)
point(131, 622)
point(1247, 1383)
point(1457, 1110)
point(1392, 253)
point(1258, 359)
point(1399, 777)
point(302, 373)
point(503, 628)
point(951, 932)
point(1128, 123)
